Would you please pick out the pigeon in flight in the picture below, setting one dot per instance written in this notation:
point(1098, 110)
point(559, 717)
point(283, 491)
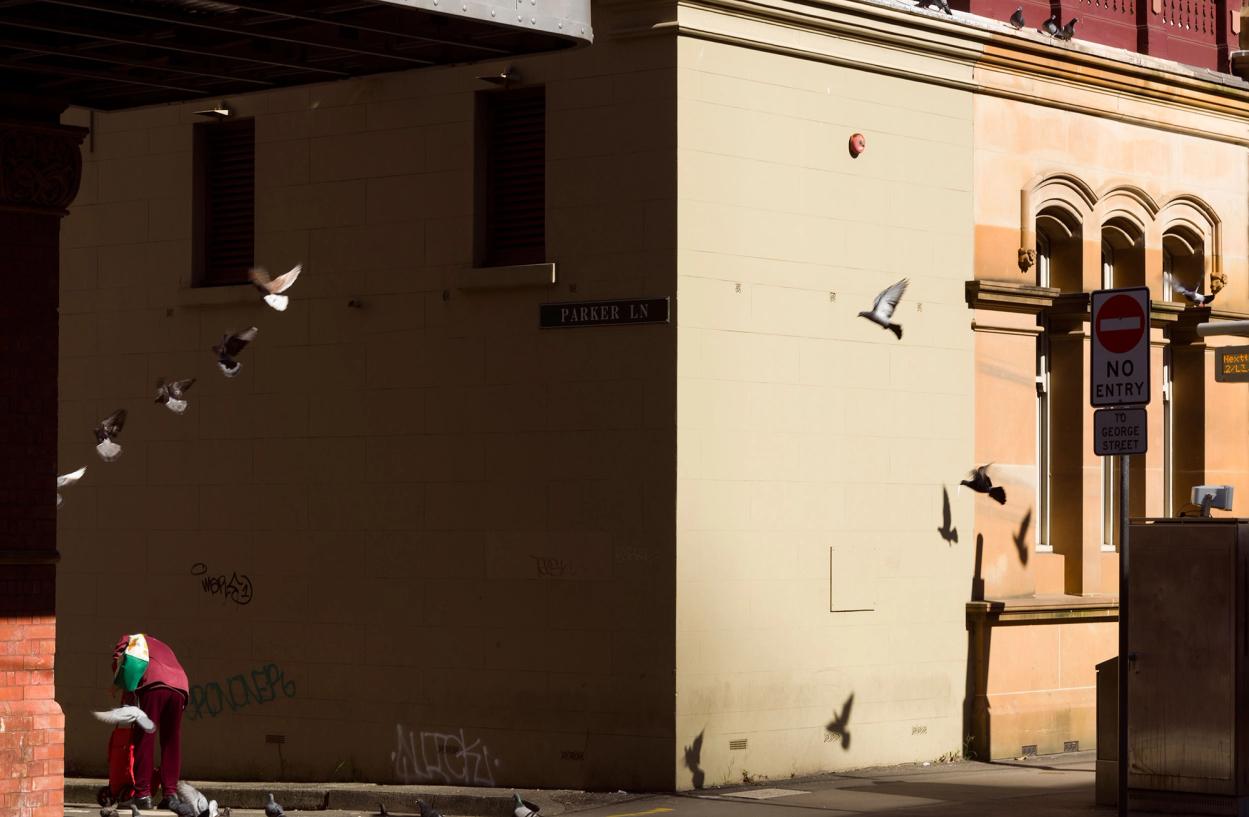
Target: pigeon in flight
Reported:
point(427, 810)
point(172, 394)
point(882, 310)
point(841, 721)
point(272, 809)
point(979, 482)
point(1016, 19)
point(942, 5)
point(106, 431)
point(273, 287)
point(126, 714)
point(230, 347)
point(1193, 296)
point(523, 807)
point(66, 480)
point(1051, 26)
point(947, 530)
point(1068, 31)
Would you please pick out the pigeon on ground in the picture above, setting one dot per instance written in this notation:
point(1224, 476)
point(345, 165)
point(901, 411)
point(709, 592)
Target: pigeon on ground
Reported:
point(271, 287)
point(882, 310)
point(523, 807)
point(108, 811)
point(230, 347)
point(1193, 296)
point(427, 810)
point(381, 810)
point(109, 428)
point(182, 808)
point(127, 714)
point(66, 480)
point(190, 795)
point(134, 810)
point(1068, 31)
point(1016, 19)
point(942, 5)
point(979, 482)
point(947, 530)
point(272, 809)
point(172, 394)
point(1051, 26)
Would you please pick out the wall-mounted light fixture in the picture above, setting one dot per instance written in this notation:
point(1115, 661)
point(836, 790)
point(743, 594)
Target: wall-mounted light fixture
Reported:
point(220, 112)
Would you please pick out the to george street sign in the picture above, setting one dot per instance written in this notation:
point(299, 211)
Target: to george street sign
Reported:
point(1119, 365)
point(1120, 431)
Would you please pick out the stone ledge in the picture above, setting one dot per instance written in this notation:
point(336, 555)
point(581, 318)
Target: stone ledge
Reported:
point(512, 277)
point(1051, 609)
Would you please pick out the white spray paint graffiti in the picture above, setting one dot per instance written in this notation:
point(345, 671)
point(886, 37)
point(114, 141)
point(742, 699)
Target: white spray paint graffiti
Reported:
point(429, 757)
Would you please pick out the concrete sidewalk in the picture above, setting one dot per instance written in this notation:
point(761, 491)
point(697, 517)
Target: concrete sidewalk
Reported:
point(1040, 787)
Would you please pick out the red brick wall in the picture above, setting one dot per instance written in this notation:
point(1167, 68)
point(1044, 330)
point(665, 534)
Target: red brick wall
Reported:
point(32, 728)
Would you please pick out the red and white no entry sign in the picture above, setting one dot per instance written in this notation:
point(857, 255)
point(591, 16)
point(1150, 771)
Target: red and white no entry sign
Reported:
point(1119, 365)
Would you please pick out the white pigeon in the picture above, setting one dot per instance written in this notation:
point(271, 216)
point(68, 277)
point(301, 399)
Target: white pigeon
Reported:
point(881, 312)
point(523, 807)
point(273, 286)
point(1193, 296)
point(127, 714)
point(109, 428)
point(190, 795)
point(66, 480)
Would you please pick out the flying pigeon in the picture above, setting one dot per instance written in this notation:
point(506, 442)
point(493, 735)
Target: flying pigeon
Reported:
point(66, 480)
point(427, 810)
point(1051, 26)
point(523, 807)
point(230, 347)
point(980, 483)
point(127, 714)
point(882, 309)
point(1193, 296)
point(942, 5)
point(172, 394)
point(271, 287)
point(272, 809)
point(947, 530)
point(1016, 19)
point(191, 796)
point(182, 808)
point(109, 428)
point(1068, 31)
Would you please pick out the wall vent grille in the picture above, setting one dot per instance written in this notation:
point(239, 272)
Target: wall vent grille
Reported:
point(1071, 746)
point(1028, 750)
point(740, 743)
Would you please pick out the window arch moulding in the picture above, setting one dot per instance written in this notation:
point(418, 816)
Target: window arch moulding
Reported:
point(1185, 213)
point(1060, 194)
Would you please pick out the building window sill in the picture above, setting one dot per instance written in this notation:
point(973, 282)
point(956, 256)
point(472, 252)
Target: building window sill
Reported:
point(510, 277)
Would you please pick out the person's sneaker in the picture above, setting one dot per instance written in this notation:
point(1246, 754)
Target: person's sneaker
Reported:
point(166, 803)
point(143, 803)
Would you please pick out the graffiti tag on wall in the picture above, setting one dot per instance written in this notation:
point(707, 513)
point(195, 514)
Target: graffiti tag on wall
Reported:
point(238, 588)
point(260, 686)
point(430, 757)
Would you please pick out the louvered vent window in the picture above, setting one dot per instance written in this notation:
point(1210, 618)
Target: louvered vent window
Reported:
point(225, 192)
point(511, 179)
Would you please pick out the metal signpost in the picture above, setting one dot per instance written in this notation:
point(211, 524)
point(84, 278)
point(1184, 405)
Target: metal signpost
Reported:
point(1119, 377)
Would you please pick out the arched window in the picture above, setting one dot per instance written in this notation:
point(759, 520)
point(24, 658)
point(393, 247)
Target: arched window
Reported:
point(1123, 253)
point(1183, 256)
point(1059, 242)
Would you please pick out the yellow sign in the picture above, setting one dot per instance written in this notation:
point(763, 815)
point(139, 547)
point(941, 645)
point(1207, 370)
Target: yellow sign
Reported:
point(1231, 364)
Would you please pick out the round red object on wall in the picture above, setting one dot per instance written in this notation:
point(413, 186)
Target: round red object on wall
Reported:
point(858, 144)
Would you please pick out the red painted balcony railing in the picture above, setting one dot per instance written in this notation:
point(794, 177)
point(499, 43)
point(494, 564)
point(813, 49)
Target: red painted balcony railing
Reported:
point(1194, 32)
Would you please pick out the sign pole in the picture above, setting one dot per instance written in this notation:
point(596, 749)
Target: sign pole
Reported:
point(1124, 470)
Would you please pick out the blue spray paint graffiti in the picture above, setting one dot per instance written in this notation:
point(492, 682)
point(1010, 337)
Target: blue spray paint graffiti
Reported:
point(266, 683)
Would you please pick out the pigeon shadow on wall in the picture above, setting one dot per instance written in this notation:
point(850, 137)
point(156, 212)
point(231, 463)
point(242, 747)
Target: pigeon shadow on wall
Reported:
point(693, 757)
point(947, 531)
point(839, 726)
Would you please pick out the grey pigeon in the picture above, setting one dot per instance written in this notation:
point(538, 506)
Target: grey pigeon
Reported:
point(134, 810)
point(1193, 296)
point(123, 715)
point(172, 394)
point(66, 480)
point(1051, 26)
point(272, 809)
point(979, 482)
point(108, 811)
point(523, 807)
point(427, 810)
point(881, 312)
point(942, 5)
point(182, 808)
point(106, 431)
point(1068, 31)
point(190, 795)
point(1016, 19)
point(272, 287)
point(381, 810)
point(230, 347)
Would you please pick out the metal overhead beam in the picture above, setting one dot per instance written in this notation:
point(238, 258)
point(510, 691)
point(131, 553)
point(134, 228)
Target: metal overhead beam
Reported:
point(54, 70)
point(26, 48)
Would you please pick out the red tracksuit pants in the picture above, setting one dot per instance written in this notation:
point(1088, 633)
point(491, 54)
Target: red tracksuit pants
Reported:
point(164, 706)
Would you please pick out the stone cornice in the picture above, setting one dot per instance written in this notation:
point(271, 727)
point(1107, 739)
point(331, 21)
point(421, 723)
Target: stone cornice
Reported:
point(971, 53)
point(40, 166)
point(1004, 296)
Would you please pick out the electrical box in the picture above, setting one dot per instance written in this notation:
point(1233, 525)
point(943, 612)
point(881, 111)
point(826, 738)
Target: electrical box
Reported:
point(1188, 666)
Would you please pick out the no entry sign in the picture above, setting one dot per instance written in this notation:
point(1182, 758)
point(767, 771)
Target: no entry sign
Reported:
point(1119, 369)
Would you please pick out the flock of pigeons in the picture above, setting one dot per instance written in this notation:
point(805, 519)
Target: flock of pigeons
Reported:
point(1053, 26)
point(172, 393)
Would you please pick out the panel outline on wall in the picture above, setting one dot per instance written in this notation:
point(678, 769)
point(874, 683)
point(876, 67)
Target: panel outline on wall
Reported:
point(853, 589)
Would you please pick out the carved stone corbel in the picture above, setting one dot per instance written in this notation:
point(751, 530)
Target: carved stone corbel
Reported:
point(40, 166)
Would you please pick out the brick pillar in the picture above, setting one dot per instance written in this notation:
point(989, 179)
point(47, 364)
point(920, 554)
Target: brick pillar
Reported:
point(40, 166)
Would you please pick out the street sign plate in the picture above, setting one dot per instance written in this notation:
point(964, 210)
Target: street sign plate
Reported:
point(1120, 431)
point(1119, 365)
point(1231, 364)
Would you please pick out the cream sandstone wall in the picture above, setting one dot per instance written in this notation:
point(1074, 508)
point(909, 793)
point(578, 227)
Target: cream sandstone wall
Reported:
point(456, 528)
point(802, 427)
